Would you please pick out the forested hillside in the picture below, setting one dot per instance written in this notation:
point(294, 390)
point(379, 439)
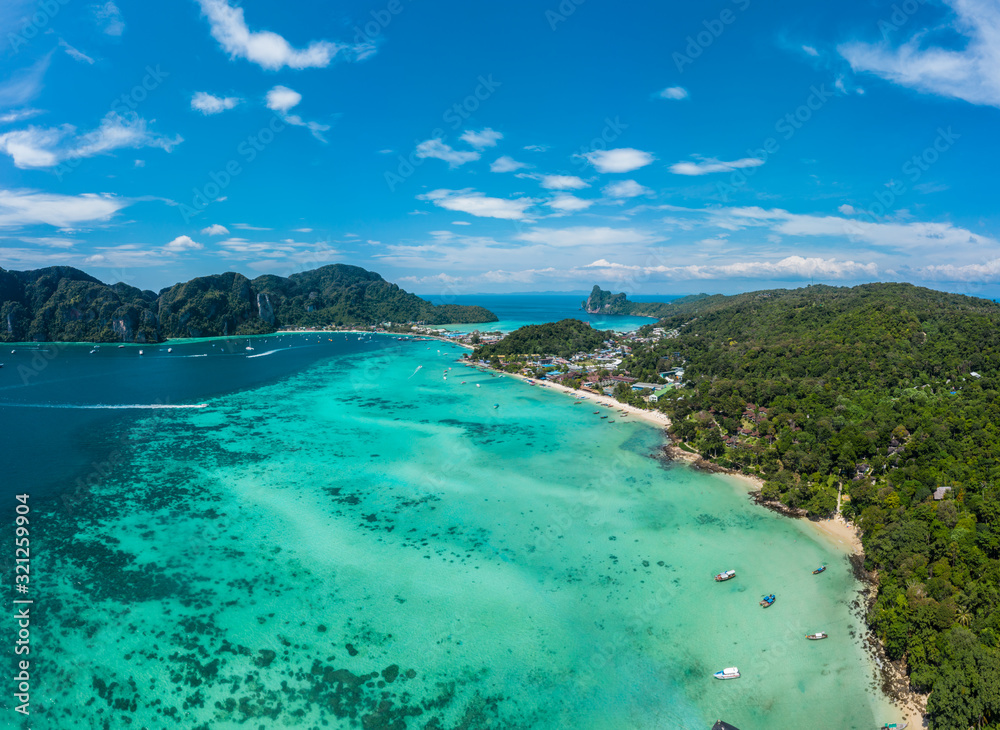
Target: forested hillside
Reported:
point(563, 338)
point(65, 304)
point(891, 392)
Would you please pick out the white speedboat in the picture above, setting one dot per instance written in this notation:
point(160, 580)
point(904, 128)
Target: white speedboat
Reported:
point(728, 673)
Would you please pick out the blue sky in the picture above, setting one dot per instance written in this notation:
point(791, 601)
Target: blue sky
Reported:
point(518, 146)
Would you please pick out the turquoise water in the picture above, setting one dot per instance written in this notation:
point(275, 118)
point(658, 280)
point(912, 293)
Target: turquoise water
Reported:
point(518, 310)
point(366, 543)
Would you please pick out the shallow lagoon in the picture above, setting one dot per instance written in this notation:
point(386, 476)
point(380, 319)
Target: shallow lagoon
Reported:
point(366, 543)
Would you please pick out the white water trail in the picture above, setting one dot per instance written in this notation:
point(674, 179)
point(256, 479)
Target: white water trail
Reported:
point(101, 406)
point(269, 352)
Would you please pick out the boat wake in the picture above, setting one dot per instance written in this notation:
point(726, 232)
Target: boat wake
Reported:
point(263, 354)
point(102, 407)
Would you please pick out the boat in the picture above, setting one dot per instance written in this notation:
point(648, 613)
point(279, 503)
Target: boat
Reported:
point(819, 570)
point(766, 601)
point(596, 413)
point(140, 352)
point(603, 417)
point(720, 725)
point(478, 385)
point(727, 575)
point(728, 673)
point(249, 348)
point(170, 349)
point(93, 351)
point(496, 405)
point(120, 347)
point(610, 421)
point(817, 636)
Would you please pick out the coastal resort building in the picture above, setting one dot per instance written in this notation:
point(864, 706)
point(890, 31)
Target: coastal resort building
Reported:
point(941, 492)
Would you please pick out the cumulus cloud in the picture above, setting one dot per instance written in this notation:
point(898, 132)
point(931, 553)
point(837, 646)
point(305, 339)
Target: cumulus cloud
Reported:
point(438, 150)
point(27, 207)
point(38, 147)
point(971, 73)
point(796, 267)
point(475, 203)
point(215, 230)
point(479, 140)
point(182, 243)
point(569, 203)
point(506, 164)
point(207, 103)
point(674, 92)
point(624, 159)
point(268, 50)
point(626, 189)
point(705, 167)
point(562, 182)
point(281, 98)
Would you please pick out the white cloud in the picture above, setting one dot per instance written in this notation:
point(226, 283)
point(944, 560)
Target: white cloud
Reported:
point(987, 271)
point(109, 18)
point(207, 103)
point(461, 223)
point(810, 50)
point(626, 189)
point(587, 236)
point(479, 140)
point(847, 209)
point(182, 243)
point(624, 159)
point(75, 54)
point(971, 74)
point(569, 203)
point(24, 84)
point(266, 49)
point(27, 207)
point(707, 166)
point(789, 267)
point(281, 98)
point(18, 115)
point(674, 92)
point(536, 147)
point(36, 147)
point(437, 149)
point(562, 182)
point(475, 203)
point(506, 164)
point(303, 230)
point(215, 230)
point(248, 227)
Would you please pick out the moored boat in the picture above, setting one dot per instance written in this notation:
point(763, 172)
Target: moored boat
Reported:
point(720, 725)
point(728, 673)
point(819, 570)
point(817, 636)
point(727, 575)
point(766, 601)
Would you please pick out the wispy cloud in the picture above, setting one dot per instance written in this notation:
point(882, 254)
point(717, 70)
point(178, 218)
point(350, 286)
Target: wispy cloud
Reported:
point(436, 149)
point(708, 166)
point(588, 236)
point(74, 53)
point(29, 207)
point(207, 103)
point(971, 74)
point(562, 182)
point(109, 18)
point(626, 189)
point(24, 84)
point(265, 48)
point(39, 147)
point(569, 203)
point(281, 99)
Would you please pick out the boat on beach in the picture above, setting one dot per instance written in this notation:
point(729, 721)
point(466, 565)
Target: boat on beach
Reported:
point(728, 673)
point(727, 575)
point(817, 636)
point(767, 601)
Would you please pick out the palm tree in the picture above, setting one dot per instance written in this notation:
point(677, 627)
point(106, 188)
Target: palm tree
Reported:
point(964, 616)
